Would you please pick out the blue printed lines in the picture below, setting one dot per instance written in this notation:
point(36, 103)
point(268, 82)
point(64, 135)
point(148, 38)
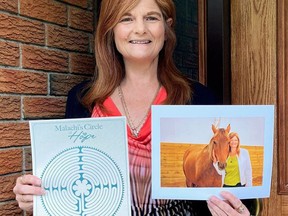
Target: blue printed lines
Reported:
point(82, 181)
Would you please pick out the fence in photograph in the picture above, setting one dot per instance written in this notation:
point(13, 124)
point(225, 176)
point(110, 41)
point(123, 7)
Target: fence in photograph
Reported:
point(172, 163)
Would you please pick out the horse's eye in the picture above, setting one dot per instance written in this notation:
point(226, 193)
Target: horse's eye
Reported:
point(214, 142)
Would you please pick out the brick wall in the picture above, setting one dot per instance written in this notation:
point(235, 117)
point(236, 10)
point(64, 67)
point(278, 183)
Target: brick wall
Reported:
point(46, 47)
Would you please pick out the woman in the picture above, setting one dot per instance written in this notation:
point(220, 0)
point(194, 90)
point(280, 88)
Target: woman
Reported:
point(135, 40)
point(238, 172)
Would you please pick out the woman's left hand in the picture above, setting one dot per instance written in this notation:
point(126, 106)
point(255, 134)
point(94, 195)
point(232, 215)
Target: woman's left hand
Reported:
point(231, 205)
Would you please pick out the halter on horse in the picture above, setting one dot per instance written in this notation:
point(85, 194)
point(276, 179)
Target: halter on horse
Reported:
point(198, 165)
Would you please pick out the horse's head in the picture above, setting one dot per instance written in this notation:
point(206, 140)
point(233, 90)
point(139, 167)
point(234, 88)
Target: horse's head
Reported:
point(219, 145)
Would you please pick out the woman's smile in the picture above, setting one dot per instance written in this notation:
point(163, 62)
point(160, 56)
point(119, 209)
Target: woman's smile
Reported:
point(140, 41)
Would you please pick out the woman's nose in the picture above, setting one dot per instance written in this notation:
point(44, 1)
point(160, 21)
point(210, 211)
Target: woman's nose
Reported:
point(140, 27)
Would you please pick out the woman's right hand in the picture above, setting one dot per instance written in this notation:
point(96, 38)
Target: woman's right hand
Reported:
point(27, 186)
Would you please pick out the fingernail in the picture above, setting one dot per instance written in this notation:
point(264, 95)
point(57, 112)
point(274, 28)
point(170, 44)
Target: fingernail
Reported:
point(224, 192)
point(38, 182)
point(43, 191)
point(212, 197)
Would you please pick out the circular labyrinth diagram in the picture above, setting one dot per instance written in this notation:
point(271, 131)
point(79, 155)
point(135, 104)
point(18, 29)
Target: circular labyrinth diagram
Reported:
point(82, 181)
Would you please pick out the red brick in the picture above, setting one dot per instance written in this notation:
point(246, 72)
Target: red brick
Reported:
point(83, 64)
point(9, 53)
point(80, 3)
point(44, 59)
point(64, 38)
point(21, 29)
point(28, 214)
point(10, 107)
point(9, 5)
point(61, 84)
point(6, 187)
point(81, 19)
point(44, 107)
point(48, 10)
point(91, 4)
point(14, 134)
point(28, 172)
point(10, 161)
point(92, 45)
point(10, 209)
point(24, 82)
point(27, 158)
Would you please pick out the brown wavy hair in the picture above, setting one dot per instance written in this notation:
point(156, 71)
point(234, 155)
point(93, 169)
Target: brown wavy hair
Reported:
point(110, 68)
point(234, 134)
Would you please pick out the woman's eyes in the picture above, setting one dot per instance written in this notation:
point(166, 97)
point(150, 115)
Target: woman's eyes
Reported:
point(126, 19)
point(147, 18)
point(151, 18)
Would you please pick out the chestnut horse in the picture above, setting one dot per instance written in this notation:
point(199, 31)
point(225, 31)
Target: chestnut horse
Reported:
point(198, 165)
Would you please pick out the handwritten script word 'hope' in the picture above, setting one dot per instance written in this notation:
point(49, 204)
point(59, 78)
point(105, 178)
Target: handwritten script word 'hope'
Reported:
point(82, 136)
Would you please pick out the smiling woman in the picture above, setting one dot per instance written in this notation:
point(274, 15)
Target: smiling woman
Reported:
point(189, 54)
point(134, 46)
point(140, 33)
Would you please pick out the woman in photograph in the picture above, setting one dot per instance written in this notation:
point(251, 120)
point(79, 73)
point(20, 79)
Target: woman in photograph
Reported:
point(238, 172)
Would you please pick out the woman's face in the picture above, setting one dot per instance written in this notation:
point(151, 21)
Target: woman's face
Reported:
point(234, 142)
point(140, 33)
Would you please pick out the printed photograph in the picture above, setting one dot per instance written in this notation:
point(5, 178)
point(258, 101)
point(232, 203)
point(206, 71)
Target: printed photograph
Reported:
point(208, 149)
point(211, 152)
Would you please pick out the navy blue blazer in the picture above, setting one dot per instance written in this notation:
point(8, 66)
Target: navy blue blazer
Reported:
point(75, 109)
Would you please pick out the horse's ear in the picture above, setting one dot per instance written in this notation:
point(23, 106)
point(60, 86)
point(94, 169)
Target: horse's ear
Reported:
point(214, 129)
point(228, 128)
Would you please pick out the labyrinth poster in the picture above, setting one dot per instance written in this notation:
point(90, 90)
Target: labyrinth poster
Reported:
point(199, 151)
point(83, 164)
